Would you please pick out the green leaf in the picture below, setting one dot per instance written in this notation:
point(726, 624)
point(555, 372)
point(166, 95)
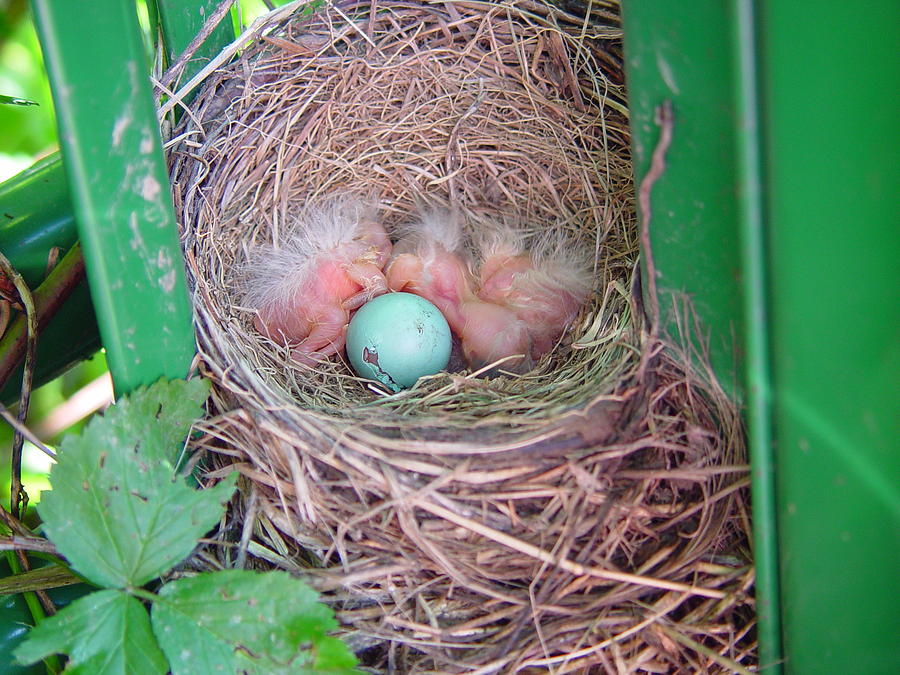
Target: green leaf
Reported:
point(241, 621)
point(158, 417)
point(117, 511)
point(15, 100)
point(104, 633)
point(332, 656)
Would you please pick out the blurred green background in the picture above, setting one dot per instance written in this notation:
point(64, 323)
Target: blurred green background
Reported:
point(26, 132)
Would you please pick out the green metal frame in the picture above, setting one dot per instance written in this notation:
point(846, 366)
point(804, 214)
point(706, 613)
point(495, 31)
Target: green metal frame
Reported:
point(113, 158)
point(671, 53)
point(36, 212)
point(829, 108)
point(706, 231)
point(112, 153)
point(777, 215)
point(181, 21)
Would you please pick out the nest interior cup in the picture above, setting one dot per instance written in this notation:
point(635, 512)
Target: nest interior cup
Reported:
point(469, 524)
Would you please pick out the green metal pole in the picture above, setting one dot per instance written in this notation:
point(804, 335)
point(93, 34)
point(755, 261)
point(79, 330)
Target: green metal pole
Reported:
point(830, 74)
point(707, 230)
point(36, 212)
point(683, 52)
point(757, 361)
point(112, 153)
point(181, 21)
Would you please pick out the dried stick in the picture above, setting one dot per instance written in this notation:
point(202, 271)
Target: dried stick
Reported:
point(665, 122)
point(48, 298)
point(174, 71)
point(5, 313)
point(20, 543)
point(25, 432)
point(15, 525)
point(18, 497)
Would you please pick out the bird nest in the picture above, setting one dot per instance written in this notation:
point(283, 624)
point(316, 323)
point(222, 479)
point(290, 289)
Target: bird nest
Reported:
point(587, 514)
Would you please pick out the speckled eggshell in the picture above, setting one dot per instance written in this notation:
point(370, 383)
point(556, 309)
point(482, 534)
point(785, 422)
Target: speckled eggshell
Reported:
point(397, 338)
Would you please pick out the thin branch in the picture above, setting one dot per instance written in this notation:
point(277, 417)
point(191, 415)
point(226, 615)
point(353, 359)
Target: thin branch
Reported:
point(665, 122)
point(18, 543)
point(174, 71)
point(5, 314)
point(17, 495)
point(48, 298)
point(20, 428)
point(40, 579)
point(15, 525)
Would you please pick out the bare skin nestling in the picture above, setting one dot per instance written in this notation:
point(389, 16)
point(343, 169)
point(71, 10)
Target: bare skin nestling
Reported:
point(329, 264)
point(544, 286)
point(431, 261)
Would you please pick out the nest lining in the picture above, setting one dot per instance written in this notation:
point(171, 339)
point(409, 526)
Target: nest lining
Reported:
point(566, 519)
point(406, 123)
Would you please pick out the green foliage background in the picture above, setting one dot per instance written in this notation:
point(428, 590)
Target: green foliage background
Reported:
point(26, 133)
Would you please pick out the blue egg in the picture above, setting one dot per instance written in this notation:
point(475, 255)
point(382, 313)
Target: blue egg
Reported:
point(397, 338)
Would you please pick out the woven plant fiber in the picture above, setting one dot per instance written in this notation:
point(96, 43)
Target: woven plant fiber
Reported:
point(588, 516)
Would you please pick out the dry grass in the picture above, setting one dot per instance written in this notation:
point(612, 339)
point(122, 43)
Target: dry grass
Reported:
point(587, 516)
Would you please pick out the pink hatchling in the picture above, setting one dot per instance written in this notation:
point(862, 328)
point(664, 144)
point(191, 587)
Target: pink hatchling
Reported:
point(304, 287)
point(432, 261)
point(543, 283)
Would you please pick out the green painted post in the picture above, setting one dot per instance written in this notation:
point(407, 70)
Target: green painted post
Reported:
point(112, 153)
point(181, 21)
point(683, 52)
point(830, 75)
point(707, 229)
point(36, 213)
point(799, 98)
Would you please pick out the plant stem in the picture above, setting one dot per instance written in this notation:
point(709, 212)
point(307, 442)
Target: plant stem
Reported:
point(39, 603)
point(143, 594)
point(48, 298)
point(15, 525)
point(20, 543)
point(34, 606)
point(17, 494)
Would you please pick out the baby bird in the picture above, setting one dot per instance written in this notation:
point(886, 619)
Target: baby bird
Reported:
point(544, 287)
point(329, 263)
point(431, 260)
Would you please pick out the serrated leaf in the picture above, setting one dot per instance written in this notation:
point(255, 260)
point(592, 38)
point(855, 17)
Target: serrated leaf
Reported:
point(240, 621)
point(104, 633)
point(117, 511)
point(332, 656)
point(158, 417)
